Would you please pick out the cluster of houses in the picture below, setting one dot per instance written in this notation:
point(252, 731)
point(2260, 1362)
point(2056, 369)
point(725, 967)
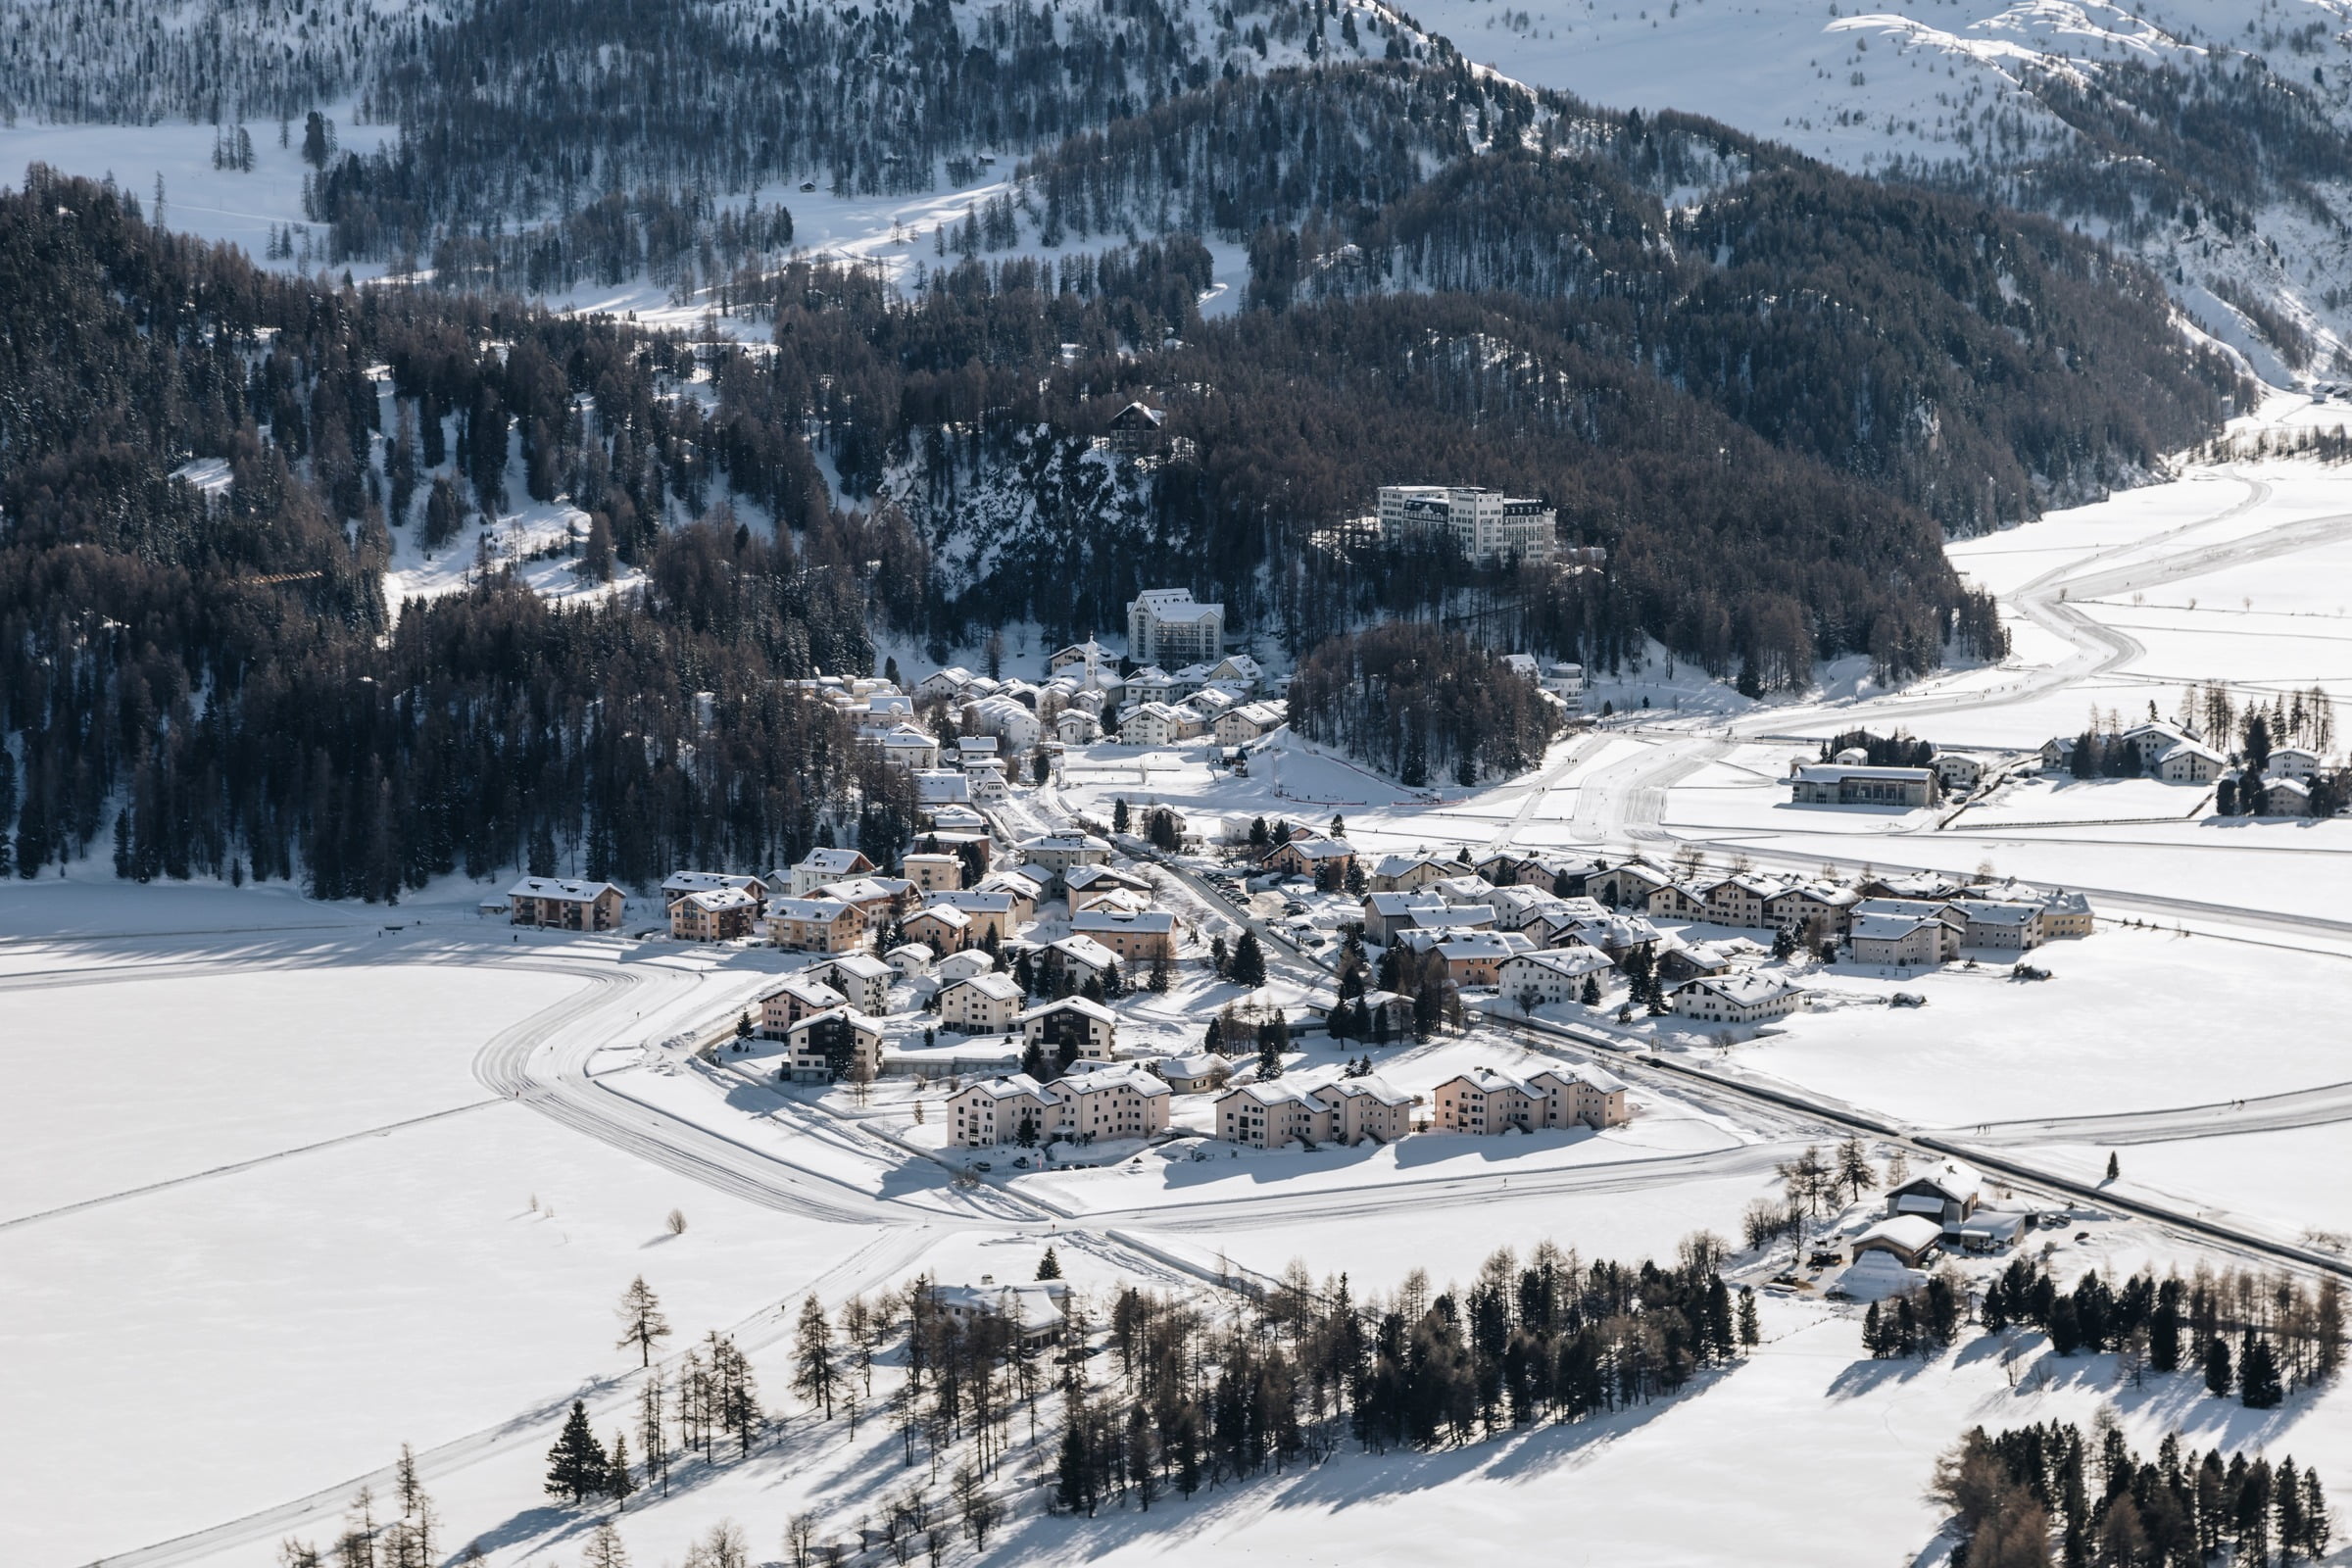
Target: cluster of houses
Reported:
point(2177, 755)
point(953, 915)
point(1102, 1100)
point(1538, 927)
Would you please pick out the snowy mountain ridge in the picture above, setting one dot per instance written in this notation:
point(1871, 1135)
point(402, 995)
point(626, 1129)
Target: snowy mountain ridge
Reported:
point(2207, 140)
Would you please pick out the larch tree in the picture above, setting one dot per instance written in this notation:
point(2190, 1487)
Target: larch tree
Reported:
point(604, 1549)
point(651, 1433)
point(1853, 1168)
point(815, 1377)
point(642, 1322)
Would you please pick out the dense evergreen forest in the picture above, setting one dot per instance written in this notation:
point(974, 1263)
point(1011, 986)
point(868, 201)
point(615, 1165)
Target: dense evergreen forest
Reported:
point(1978, 364)
point(220, 673)
point(1422, 702)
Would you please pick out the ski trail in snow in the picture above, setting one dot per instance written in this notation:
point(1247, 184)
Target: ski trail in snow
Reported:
point(232, 1169)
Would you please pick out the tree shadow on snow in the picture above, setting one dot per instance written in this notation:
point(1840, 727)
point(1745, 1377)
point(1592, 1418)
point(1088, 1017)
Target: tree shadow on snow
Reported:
point(1348, 1478)
point(1868, 1376)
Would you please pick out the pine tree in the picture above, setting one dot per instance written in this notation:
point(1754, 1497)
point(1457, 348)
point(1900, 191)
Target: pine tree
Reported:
point(1074, 1471)
point(642, 1322)
point(1249, 962)
point(576, 1466)
point(2219, 1375)
point(618, 1482)
point(1049, 1267)
point(2258, 1381)
point(1750, 1332)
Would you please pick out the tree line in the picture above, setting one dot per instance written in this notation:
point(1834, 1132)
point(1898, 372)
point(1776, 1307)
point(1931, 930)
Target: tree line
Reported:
point(2050, 1493)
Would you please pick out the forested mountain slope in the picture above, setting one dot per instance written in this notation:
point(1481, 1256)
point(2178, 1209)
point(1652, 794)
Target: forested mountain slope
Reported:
point(2209, 140)
point(1907, 337)
point(213, 680)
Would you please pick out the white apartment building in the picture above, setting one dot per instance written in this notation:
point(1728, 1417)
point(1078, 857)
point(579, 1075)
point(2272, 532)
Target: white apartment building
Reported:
point(1488, 525)
point(1165, 626)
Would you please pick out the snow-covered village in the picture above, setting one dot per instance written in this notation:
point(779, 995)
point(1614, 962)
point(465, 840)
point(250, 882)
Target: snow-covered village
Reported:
point(1124, 781)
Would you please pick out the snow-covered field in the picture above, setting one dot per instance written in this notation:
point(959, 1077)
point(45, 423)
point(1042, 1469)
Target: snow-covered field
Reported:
point(2134, 1020)
point(257, 1195)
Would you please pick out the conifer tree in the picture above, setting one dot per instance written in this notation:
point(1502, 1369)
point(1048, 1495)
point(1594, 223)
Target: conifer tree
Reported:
point(642, 1322)
point(2258, 1380)
point(815, 1378)
point(604, 1549)
point(2219, 1375)
point(618, 1480)
point(1249, 969)
point(576, 1466)
point(1049, 1267)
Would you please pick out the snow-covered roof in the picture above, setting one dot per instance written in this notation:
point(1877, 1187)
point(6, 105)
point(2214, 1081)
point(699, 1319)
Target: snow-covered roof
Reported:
point(1475, 946)
point(1080, 877)
point(1078, 1005)
point(1913, 1232)
point(1400, 865)
point(679, 883)
point(1389, 905)
point(1962, 1183)
point(1886, 927)
point(1087, 920)
point(1742, 990)
point(1450, 916)
point(1130, 1077)
point(1835, 772)
point(832, 864)
point(718, 901)
point(562, 892)
point(994, 987)
point(825, 911)
point(1199, 1064)
point(1996, 911)
point(940, 785)
point(858, 965)
point(1004, 1086)
point(1371, 1084)
point(1065, 843)
point(848, 1014)
point(866, 889)
point(1316, 849)
point(1573, 961)
point(972, 901)
point(1086, 950)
